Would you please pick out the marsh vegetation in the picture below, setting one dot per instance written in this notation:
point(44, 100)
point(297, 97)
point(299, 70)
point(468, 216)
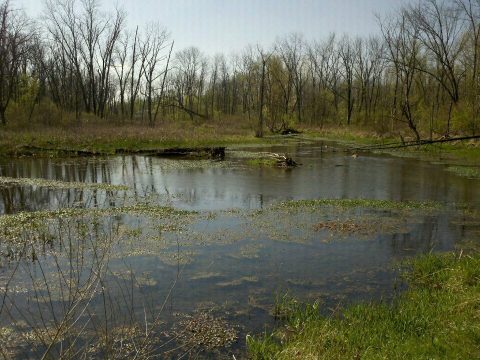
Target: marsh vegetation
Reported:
point(303, 238)
point(156, 257)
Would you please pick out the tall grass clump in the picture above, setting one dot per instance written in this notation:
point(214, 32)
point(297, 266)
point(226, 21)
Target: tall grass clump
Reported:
point(438, 317)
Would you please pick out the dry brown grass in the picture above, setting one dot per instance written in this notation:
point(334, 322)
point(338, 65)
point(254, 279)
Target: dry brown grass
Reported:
point(106, 137)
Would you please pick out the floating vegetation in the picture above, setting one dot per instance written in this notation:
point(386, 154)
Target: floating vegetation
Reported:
point(465, 171)
point(29, 234)
point(205, 275)
point(56, 184)
point(21, 219)
point(240, 281)
point(8, 341)
point(242, 154)
point(203, 330)
point(365, 227)
point(142, 279)
point(361, 203)
point(171, 238)
point(170, 165)
point(263, 162)
point(124, 342)
point(177, 258)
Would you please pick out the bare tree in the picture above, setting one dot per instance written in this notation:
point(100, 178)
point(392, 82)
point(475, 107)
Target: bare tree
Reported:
point(151, 50)
point(471, 10)
point(188, 65)
point(403, 45)
point(122, 70)
point(347, 57)
point(440, 29)
point(14, 47)
point(263, 59)
point(292, 50)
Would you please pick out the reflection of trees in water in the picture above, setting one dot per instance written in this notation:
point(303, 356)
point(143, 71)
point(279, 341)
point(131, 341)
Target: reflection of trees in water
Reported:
point(28, 198)
point(58, 300)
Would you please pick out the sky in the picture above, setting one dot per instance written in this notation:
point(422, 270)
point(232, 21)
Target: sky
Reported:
point(228, 26)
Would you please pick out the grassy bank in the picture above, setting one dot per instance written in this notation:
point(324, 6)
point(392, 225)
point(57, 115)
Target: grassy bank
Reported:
point(107, 139)
point(438, 317)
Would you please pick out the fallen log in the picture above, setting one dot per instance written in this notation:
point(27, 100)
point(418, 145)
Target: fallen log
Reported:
point(217, 153)
point(290, 131)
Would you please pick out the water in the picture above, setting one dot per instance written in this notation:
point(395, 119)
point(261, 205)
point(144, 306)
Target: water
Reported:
point(228, 259)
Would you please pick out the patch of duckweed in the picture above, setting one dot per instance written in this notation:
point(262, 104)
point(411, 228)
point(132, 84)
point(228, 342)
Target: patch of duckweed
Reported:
point(24, 218)
point(6, 335)
point(465, 171)
point(56, 184)
point(365, 226)
point(170, 165)
point(360, 203)
point(202, 330)
point(177, 258)
point(262, 162)
point(124, 342)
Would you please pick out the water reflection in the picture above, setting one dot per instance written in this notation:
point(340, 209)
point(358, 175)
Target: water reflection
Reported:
point(230, 263)
point(323, 175)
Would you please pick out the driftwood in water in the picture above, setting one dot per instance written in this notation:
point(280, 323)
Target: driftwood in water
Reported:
point(283, 160)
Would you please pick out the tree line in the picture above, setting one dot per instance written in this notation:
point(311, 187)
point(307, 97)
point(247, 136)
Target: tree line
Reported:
point(420, 73)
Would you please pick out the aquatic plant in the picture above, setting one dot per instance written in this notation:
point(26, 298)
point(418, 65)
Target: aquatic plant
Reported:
point(361, 203)
point(465, 171)
point(56, 184)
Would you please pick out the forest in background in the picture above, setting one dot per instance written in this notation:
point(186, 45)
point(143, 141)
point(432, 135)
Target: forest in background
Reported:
point(78, 65)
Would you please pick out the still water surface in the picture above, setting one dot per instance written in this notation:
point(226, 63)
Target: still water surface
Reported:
point(229, 258)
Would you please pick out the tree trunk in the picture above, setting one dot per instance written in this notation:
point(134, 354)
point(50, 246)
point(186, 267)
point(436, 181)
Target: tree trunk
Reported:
point(262, 90)
point(447, 134)
point(3, 118)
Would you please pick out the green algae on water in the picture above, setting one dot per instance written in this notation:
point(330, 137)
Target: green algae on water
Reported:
point(361, 203)
point(56, 184)
point(465, 171)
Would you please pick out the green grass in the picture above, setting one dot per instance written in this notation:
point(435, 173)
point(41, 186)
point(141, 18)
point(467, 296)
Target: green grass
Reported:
point(105, 139)
point(438, 317)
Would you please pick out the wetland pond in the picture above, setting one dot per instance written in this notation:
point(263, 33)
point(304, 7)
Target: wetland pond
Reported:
point(141, 256)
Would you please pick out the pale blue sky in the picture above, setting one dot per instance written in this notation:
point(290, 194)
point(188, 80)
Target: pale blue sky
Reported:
point(229, 25)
